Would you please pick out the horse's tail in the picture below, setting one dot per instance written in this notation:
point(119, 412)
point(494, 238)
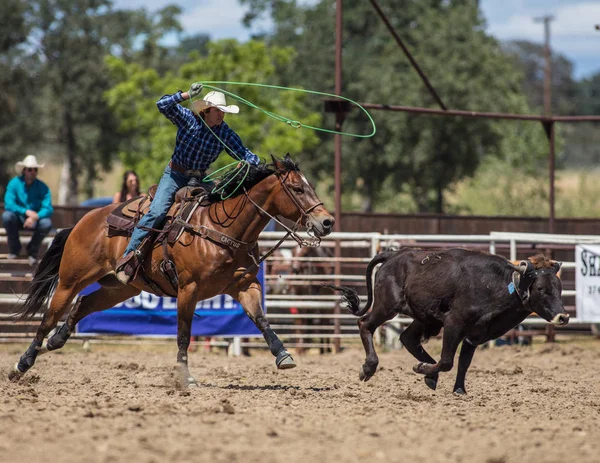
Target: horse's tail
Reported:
point(350, 296)
point(45, 277)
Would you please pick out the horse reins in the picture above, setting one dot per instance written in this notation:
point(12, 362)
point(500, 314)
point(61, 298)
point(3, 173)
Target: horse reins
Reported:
point(293, 232)
point(314, 242)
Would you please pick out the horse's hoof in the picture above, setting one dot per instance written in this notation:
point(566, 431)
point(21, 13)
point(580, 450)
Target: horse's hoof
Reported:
point(460, 391)
point(15, 374)
point(185, 379)
point(364, 376)
point(286, 362)
point(188, 381)
point(431, 383)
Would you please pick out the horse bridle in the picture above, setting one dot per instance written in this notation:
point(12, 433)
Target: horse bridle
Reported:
point(315, 241)
point(304, 214)
point(303, 211)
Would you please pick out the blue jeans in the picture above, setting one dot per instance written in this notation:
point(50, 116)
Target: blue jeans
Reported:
point(168, 185)
point(14, 222)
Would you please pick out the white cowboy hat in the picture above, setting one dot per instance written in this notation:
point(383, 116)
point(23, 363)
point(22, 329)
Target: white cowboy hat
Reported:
point(29, 161)
point(215, 100)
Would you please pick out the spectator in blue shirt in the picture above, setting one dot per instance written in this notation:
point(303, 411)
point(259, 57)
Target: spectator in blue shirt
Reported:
point(200, 140)
point(27, 205)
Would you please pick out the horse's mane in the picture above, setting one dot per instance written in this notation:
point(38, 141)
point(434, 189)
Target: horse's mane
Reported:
point(256, 173)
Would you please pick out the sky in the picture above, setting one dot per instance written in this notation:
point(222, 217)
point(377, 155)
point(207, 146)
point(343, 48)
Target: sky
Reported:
point(572, 30)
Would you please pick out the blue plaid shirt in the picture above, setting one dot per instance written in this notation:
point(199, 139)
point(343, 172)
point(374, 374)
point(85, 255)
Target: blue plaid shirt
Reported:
point(196, 147)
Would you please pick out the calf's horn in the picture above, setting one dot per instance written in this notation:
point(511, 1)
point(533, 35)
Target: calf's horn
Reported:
point(523, 266)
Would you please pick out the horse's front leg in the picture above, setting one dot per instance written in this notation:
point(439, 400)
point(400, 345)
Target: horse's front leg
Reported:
point(250, 297)
point(186, 305)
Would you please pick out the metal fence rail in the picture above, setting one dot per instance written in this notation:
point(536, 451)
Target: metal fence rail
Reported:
point(310, 318)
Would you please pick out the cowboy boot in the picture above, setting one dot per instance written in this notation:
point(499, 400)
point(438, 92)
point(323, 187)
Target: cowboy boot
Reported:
point(127, 266)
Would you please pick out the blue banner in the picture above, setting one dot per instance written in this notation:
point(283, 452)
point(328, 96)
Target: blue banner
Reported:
point(147, 314)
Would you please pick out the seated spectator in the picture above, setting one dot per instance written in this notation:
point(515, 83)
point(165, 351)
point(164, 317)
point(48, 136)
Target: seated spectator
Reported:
point(129, 189)
point(27, 205)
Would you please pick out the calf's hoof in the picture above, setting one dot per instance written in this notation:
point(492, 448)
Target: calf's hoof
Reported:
point(431, 382)
point(424, 368)
point(365, 374)
point(285, 361)
point(15, 374)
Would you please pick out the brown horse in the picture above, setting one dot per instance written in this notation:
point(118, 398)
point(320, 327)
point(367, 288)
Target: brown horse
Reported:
point(84, 254)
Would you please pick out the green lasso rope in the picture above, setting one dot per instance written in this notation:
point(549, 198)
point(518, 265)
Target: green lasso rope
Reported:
point(293, 123)
point(245, 168)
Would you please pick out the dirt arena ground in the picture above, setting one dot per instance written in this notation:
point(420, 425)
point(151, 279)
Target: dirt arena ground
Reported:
point(121, 403)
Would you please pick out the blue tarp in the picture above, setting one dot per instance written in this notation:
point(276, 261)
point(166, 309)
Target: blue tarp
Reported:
point(147, 314)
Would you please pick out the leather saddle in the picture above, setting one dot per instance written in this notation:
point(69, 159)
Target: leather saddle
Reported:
point(123, 219)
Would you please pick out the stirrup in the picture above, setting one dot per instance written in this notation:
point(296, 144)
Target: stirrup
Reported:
point(128, 265)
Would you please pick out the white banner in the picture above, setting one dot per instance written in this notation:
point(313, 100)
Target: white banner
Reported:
point(587, 282)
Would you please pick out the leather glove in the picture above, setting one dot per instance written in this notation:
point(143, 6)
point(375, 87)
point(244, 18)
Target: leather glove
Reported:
point(195, 90)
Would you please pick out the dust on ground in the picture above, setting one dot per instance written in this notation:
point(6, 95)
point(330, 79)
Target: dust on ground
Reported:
point(122, 403)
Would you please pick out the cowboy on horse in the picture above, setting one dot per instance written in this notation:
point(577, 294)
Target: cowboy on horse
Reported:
point(200, 140)
point(209, 251)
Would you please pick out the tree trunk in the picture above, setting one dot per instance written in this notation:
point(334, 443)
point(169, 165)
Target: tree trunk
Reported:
point(68, 191)
point(368, 199)
point(90, 177)
point(367, 204)
point(439, 183)
point(63, 189)
point(439, 203)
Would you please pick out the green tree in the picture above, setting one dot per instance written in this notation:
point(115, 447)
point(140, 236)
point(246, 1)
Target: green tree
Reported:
point(583, 142)
point(18, 132)
point(72, 37)
point(151, 137)
point(501, 182)
point(589, 95)
point(194, 43)
point(529, 57)
point(419, 155)
point(581, 148)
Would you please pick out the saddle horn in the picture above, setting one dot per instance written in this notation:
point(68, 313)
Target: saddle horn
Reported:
point(193, 182)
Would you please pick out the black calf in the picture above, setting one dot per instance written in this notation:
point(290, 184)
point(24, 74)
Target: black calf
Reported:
point(473, 295)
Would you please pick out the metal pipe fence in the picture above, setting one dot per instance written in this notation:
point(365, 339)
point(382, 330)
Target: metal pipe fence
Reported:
point(309, 320)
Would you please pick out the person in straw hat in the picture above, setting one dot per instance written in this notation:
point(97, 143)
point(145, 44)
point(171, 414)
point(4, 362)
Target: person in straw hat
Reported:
point(27, 205)
point(196, 148)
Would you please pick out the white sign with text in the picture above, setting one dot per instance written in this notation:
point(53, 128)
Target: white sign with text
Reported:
point(587, 282)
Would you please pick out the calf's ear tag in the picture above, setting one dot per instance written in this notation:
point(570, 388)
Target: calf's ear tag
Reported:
point(511, 288)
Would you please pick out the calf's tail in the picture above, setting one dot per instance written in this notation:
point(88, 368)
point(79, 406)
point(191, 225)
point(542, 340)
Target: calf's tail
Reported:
point(350, 296)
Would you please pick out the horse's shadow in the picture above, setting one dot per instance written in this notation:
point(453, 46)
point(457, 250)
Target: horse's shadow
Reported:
point(264, 387)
